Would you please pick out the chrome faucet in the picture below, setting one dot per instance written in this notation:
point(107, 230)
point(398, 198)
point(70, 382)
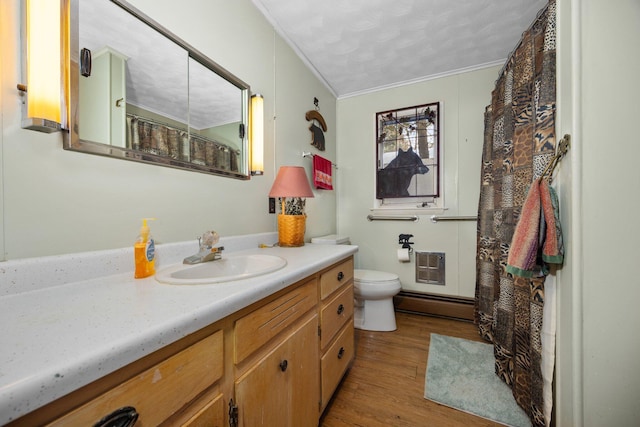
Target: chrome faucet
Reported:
point(207, 251)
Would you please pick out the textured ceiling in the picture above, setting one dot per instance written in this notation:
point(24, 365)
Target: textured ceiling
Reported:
point(357, 46)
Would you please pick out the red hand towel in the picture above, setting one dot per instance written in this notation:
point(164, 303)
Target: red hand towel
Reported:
point(322, 173)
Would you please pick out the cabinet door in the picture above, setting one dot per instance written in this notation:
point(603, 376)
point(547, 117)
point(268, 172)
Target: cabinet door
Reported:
point(211, 415)
point(283, 388)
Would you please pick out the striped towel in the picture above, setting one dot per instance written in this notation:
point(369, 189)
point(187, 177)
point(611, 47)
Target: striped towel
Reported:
point(538, 236)
point(553, 247)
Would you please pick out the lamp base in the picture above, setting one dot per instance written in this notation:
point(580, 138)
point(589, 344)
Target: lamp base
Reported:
point(291, 230)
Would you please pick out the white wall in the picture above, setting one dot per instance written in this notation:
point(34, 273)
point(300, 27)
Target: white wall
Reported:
point(598, 369)
point(464, 97)
point(56, 201)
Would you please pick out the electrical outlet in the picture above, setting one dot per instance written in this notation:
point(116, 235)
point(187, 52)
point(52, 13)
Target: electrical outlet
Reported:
point(272, 205)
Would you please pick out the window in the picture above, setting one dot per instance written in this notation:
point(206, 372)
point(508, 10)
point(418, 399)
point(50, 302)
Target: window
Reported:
point(408, 155)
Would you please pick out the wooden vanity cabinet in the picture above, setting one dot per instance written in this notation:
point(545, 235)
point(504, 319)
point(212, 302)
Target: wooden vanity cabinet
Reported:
point(274, 363)
point(337, 345)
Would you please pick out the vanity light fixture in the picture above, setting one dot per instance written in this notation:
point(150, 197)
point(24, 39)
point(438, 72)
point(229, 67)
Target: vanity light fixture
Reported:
point(256, 134)
point(43, 43)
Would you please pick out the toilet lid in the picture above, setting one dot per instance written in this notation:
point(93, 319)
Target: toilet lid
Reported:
point(374, 276)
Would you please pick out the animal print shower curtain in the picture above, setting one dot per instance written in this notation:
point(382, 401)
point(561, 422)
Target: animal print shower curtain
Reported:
point(519, 142)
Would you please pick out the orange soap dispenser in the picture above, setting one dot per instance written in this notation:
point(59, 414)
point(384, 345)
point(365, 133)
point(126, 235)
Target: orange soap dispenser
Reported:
point(144, 252)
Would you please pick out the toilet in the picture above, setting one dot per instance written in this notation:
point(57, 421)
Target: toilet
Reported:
point(373, 293)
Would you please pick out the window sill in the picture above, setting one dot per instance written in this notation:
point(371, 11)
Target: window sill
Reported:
point(409, 210)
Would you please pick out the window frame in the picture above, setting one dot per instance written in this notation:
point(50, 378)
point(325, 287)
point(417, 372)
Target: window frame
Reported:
point(433, 201)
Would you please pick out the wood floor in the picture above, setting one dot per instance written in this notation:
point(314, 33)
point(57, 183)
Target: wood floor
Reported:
point(385, 386)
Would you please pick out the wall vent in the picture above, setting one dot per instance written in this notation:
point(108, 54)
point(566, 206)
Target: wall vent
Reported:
point(430, 268)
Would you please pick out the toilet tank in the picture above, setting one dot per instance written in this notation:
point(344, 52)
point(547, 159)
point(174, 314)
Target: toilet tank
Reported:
point(331, 239)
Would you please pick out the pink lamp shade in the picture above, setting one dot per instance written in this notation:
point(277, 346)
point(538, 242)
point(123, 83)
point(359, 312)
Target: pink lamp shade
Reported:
point(291, 181)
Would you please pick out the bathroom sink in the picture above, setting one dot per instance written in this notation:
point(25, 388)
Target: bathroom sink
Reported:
point(227, 269)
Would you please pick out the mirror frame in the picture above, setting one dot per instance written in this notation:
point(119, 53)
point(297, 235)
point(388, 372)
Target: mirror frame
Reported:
point(72, 140)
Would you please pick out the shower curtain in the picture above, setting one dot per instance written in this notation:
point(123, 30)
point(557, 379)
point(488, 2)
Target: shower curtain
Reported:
point(519, 142)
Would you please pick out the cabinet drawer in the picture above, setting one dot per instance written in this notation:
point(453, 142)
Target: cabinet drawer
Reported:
point(161, 390)
point(337, 276)
point(335, 360)
point(256, 329)
point(334, 314)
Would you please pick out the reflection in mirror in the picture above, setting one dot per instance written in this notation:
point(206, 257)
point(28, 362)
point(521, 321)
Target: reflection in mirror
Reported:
point(215, 119)
point(140, 93)
point(125, 77)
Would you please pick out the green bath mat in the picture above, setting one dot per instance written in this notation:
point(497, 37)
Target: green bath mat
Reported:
point(460, 374)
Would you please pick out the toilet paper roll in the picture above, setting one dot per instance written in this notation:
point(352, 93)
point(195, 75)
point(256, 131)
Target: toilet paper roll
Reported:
point(403, 255)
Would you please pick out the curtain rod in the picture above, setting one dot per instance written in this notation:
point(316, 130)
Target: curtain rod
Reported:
point(535, 21)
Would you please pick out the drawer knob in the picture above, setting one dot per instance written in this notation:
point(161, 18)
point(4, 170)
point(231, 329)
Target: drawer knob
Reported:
point(341, 353)
point(123, 417)
point(283, 365)
point(340, 276)
point(340, 309)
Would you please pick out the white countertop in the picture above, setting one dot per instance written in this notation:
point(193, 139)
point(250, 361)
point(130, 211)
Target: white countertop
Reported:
point(57, 339)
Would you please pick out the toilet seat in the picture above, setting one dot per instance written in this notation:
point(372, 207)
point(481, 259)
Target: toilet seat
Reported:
point(375, 277)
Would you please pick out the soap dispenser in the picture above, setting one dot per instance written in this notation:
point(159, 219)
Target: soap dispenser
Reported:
point(144, 252)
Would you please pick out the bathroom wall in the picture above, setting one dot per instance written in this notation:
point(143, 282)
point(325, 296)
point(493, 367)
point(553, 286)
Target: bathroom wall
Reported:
point(597, 369)
point(55, 201)
point(464, 97)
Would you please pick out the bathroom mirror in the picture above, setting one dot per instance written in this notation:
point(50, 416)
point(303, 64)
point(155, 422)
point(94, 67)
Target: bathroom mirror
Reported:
point(138, 92)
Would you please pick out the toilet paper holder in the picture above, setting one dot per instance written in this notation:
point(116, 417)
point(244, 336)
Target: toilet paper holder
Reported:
point(403, 239)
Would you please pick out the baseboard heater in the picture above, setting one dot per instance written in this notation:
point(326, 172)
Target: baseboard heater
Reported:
point(459, 308)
